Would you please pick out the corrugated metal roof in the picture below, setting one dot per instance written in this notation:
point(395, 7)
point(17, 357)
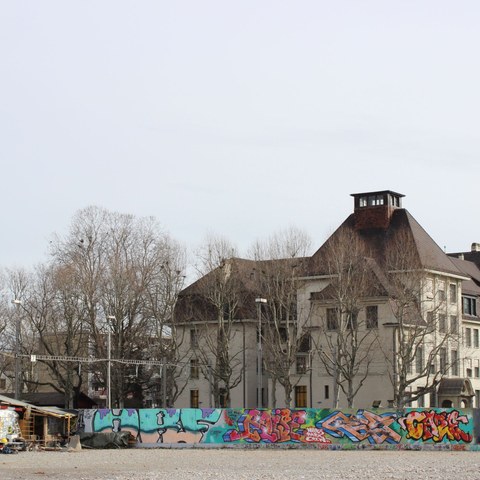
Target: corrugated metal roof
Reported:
point(49, 411)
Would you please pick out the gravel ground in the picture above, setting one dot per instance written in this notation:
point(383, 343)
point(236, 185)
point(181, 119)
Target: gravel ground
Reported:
point(233, 464)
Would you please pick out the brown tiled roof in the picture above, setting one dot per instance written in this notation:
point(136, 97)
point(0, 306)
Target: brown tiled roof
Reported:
point(378, 241)
point(431, 255)
point(471, 270)
point(246, 274)
point(472, 256)
point(380, 287)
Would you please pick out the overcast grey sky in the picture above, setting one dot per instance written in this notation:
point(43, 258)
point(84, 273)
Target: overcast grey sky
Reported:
point(239, 118)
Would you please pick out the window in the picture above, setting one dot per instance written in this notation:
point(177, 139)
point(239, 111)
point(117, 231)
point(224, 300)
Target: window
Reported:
point(442, 323)
point(222, 398)
point(469, 372)
point(194, 369)
point(301, 364)
point(283, 334)
point(453, 292)
point(301, 396)
point(443, 360)
point(419, 360)
point(477, 372)
point(332, 319)
point(327, 392)
point(193, 338)
point(420, 401)
point(453, 324)
point(352, 320)
point(477, 398)
point(3, 383)
point(454, 359)
point(304, 343)
point(194, 403)
point(469, 306)
point(441, 292)
point(372, 200)
point(468, 337)
point(476, 342)
point(372, 316)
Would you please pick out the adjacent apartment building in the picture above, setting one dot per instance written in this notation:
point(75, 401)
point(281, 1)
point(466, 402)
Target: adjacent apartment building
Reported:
point(379, 315)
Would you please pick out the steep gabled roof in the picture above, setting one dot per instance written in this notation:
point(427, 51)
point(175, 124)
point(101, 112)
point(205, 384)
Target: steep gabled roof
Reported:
point(430, 254)
point(379, 287)
point(403, 232)
point(471, 270)
point(246, 275)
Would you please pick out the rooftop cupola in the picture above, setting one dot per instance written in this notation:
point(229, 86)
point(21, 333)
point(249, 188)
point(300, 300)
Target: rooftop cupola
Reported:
point(373, 210)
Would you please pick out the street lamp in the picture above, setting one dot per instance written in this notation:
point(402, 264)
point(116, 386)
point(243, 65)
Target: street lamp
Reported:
point(109, 364)
point(17, 350)
point(259, 302)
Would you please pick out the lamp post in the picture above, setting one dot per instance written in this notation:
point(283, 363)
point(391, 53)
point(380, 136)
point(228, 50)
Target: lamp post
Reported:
point(109, 363)
point(17, 349)
point(258, 302)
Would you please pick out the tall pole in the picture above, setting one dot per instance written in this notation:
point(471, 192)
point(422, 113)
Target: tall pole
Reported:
point(17, 350)
point(244, 369)
point(164, 383)
point(109, 369)
point(210, 389)
point(109, 362)
point(258, 302)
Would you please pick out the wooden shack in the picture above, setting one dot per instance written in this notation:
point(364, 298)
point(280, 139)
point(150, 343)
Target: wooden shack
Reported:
point(41, 425)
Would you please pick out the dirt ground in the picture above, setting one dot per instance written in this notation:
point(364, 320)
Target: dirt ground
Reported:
point(232, 464)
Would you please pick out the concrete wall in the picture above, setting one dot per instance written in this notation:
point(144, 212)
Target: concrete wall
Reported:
point(323, 428)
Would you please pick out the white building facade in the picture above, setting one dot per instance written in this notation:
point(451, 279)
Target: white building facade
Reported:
point(430, 341)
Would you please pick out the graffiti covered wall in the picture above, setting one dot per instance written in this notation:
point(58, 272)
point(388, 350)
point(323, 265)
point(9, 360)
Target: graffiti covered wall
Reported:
point(325, 428)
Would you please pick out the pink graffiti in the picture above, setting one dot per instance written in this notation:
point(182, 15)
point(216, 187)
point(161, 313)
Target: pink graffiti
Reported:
point(316, 435)
point(275, 426)
point(436, 426)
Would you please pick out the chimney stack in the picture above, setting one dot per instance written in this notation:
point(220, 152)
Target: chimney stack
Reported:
point(373, 210)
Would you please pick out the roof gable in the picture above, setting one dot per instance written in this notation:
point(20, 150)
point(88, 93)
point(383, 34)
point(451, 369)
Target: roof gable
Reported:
point(403, 233)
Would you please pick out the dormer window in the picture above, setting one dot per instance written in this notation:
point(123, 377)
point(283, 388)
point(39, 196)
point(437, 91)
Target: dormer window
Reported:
point(375, 199)
point(371, 200)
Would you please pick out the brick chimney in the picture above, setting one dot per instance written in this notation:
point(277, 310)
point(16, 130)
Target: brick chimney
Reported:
point(373, 210)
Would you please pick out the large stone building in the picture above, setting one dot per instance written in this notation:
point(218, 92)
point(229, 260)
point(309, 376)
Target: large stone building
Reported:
point(378, 315)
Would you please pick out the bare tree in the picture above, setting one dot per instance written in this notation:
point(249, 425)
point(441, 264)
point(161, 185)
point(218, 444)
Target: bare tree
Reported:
point(165, 339)
point(216, 299)
point(346, 349)
point(19, 338)
point(420, 335)
point(280, 264)
point(117, 261)
point(51, 305)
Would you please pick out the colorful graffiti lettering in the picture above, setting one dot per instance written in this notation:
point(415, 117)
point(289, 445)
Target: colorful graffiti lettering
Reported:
point(156, 425)
point(364, 425)
point(269, 426)
point(316, 435)
point(436, 426)
point(408, 428)
point(185, 426)
point(116, 420)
